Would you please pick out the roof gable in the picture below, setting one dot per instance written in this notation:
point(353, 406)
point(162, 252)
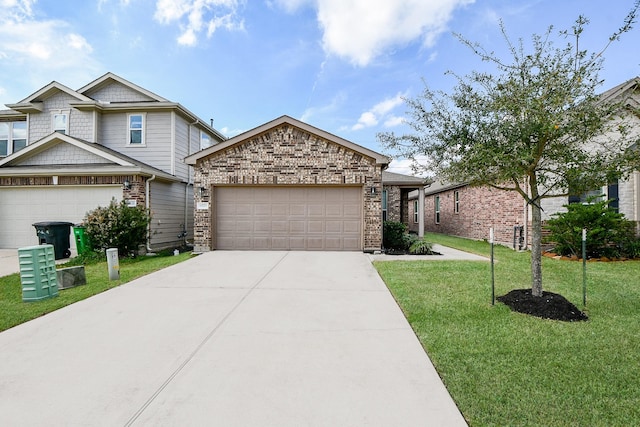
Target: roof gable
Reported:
point(47, 151)
point(251, 135)
point(113, 88)
point(34, 102)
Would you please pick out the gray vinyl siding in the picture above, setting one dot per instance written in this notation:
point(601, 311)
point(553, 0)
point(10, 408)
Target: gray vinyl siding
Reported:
point(167, 203)
point(182, 131)
point(80, 122)
point(157, 149)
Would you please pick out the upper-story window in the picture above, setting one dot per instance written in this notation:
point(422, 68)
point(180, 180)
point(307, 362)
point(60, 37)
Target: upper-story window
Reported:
point(205, 140)
point(136, 129)
point(61, 122)
point(13, 137)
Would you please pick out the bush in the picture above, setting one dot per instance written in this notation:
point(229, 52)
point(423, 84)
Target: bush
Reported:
point(421, 247)
point(394, 235)
point(609, 234)
point(117, 226)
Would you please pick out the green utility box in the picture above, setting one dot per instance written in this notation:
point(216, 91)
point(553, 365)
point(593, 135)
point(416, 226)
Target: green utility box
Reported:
point(82, 245)
point(55, 233)
point(38, 272)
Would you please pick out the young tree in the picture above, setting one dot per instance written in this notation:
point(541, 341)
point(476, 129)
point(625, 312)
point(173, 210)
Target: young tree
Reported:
point(535, 126)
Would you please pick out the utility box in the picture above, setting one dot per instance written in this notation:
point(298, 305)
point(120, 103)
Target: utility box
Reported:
point(38, 272)
point(55, 233)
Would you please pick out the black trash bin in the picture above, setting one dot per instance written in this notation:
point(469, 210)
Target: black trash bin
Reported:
point(55, 233)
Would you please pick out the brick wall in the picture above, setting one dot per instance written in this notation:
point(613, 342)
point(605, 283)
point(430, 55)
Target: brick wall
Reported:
point(286, 155)
point(394, 202)
point(480, 208)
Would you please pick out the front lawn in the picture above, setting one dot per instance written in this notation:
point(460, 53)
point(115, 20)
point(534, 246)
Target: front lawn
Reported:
point(14, 311)
point(509, 369)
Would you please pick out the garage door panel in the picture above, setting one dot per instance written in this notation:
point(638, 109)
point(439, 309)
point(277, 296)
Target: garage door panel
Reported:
point(297, 227)
point(289, 218)
point(315, 210)
point(351, 226)
point(333, 226)
point(316, 227)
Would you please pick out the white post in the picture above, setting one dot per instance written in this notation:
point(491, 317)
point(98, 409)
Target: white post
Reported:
point(113, 264)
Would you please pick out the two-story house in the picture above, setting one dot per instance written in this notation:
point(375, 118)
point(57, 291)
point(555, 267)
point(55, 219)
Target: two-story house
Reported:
point(64, 152)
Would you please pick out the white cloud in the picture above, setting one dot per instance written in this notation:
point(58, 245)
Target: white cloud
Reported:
point(335, 103)
point(38, 49)
point(408, 166)
point(393, 121)
point(192, 14)
point(361, 30)
point(381, 111)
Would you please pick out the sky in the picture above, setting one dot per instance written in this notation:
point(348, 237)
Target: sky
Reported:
point(344, 66)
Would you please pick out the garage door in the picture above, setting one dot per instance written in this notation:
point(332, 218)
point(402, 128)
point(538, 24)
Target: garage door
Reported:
point(289, 218)
point(20, 207)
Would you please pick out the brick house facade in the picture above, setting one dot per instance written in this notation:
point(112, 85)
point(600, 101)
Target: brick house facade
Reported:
point(287, 154)
point(471, 212)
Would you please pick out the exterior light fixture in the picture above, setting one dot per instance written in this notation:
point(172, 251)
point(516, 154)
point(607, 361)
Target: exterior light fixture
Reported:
point(126, 184)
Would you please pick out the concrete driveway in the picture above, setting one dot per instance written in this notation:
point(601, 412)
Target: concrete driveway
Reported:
point(229, 339)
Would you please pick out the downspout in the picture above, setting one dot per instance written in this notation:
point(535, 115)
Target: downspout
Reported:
point(186, 187)
point(148, 206)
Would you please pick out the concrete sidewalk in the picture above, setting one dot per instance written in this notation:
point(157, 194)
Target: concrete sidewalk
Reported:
point(230, 339)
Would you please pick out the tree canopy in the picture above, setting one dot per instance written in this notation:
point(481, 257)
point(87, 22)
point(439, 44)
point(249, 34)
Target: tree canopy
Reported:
point(536, 126)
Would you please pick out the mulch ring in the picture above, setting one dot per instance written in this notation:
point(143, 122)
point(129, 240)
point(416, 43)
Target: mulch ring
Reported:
point(548, 306)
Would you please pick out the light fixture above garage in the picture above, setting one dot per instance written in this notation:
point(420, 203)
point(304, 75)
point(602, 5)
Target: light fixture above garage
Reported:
point(126, 184)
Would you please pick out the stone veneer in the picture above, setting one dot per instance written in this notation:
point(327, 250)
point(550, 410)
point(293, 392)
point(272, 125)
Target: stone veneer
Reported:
point(287, 155)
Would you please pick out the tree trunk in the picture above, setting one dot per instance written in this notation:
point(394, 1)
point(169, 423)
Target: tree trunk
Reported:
point(536, 249)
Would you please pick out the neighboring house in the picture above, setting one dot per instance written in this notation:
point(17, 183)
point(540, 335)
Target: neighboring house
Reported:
point(64, 152)
point(462, 210)
point(395, 200)
point(286, 185)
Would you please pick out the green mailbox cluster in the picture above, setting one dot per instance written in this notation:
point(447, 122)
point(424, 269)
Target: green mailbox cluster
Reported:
point(38, 272)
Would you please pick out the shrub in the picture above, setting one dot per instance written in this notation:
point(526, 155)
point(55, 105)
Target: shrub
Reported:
point(421, 247)
point(393, 235)
point(608, 232)
point(117, 226)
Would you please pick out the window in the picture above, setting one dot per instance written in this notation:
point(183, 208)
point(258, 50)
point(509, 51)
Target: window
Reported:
point(205, 140)
point(61, 122)
point(136, 129)
point(13, 137)
point(415, 211)
point(384, 205)
point(456, 202)
point(437, 209)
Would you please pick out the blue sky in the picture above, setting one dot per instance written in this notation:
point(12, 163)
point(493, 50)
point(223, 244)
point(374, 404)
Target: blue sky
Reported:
point(341, 65)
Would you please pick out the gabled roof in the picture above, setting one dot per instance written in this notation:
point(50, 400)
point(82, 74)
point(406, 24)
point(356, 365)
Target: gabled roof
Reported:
point(115, 163)
point(108, 78)
point(624, 92)
point(379, 158)
point(33, 103)
point(400, 180)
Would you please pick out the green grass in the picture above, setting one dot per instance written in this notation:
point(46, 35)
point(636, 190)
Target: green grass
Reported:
point(13, 311)
point(508, 369)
